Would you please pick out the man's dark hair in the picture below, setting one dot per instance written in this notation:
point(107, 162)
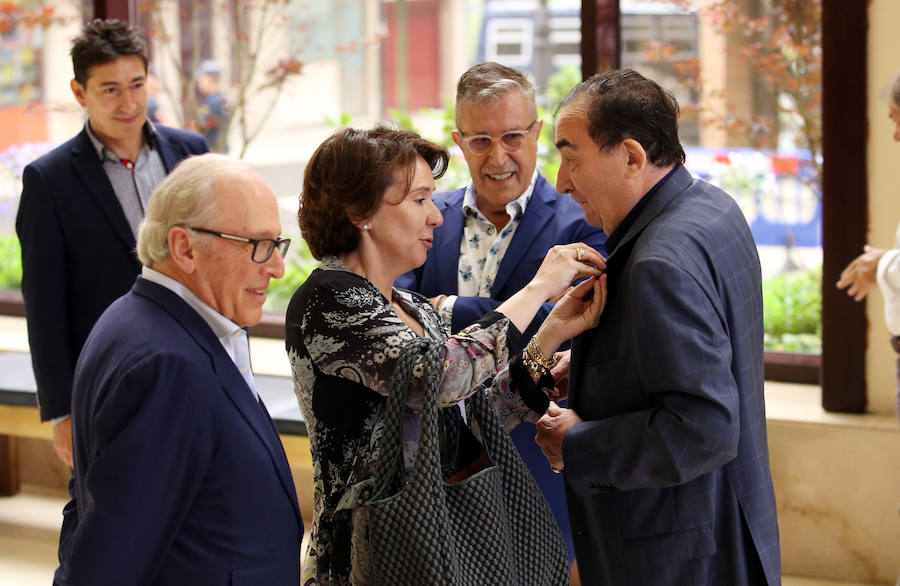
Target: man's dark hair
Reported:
point(104, 41)
point(347, 177)
point(621, 104)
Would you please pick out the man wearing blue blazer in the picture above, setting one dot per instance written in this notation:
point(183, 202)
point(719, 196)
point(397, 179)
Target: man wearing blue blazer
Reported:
point(663, 445)
point(180, 476)
point(81, 206)
point(498, 229)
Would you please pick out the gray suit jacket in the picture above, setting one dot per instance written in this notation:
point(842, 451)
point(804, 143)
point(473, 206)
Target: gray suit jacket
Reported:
point(668, 478)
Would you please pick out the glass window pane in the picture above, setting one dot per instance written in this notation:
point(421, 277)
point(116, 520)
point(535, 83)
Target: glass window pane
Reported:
point(298, 70)
point(37, 110)
point(269, 80)
point(747, 76)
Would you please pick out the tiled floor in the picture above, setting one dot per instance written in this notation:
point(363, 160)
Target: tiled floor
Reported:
point(29, 528)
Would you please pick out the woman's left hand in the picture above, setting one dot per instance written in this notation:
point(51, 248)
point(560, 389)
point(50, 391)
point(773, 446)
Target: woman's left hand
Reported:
point(578, 310)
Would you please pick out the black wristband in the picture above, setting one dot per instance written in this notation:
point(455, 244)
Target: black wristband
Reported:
point(533, 395)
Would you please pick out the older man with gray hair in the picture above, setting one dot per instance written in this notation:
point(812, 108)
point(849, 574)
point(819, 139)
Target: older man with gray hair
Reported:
point(498, 229)
point(180, 477)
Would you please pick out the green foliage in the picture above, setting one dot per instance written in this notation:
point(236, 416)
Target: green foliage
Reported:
point(339, 122)
point(300, 263)
point(558, 87)
point(792, 311)
point(448, 117)
point(404, 120)
point(10, 263)
point(561, 83)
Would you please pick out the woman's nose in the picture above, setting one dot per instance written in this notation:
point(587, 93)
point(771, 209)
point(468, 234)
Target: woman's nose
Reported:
point(435, 218)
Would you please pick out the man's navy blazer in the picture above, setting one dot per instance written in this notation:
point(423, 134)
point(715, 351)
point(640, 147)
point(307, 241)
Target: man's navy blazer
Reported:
point(78, 254)
point(667, 478)
point(550, 219)
point(180, 475)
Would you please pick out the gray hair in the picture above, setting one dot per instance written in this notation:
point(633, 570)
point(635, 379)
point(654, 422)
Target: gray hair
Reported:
point(893, 90)
point(491, 81)
point(185, 198)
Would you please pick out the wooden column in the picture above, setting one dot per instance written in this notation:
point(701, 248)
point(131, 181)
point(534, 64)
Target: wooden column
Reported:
point(120, 9)
point(845, 218)
point(9, 465)
point(600, 34)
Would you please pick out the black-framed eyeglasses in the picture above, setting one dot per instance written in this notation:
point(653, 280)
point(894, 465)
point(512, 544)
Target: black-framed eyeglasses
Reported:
point(511, 140)
point(262, 247)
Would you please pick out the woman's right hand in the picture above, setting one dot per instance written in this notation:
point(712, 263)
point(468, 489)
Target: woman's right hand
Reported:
point(563, 265)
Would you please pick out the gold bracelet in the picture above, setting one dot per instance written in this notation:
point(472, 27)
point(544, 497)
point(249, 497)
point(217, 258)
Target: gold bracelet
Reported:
point(534, 361)
point(537, 371)
point(533, 353)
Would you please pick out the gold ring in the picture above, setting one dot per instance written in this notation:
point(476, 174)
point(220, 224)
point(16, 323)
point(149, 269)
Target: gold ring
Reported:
point(579, 254)
point(556, 470)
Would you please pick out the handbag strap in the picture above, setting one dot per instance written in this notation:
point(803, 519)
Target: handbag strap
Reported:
point(427, 461)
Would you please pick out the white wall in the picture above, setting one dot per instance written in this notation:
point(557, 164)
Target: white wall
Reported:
point(884, 193)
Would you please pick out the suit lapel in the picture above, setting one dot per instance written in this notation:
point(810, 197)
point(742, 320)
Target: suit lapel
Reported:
point(90, 170)
point(446, 247)
point(679, 181)
point(537, 215)
point(615, 264)
point(166, 150)
point(233, 384)
point(256, 415)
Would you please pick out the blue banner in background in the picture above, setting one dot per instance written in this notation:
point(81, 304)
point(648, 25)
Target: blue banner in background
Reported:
point(778, 191)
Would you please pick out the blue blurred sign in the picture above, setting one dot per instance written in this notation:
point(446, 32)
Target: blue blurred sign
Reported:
point(778, 191)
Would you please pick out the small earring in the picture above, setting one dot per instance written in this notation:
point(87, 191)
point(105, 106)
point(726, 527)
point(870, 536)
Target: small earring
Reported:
point(365, 226)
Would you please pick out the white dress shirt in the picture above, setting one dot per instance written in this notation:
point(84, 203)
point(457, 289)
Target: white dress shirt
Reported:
point(482, 247)
point(132, 181)
point(889, 281)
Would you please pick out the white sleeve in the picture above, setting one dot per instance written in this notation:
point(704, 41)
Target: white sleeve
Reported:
point(888, 275)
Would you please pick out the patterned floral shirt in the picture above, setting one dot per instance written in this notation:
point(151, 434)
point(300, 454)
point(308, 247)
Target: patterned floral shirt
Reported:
point(482, 247)
point(343, 342)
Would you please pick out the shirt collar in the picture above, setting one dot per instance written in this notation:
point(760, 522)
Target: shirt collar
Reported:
point(515, 208)
point(220, 325)
point(149, 133)
point(613, 241)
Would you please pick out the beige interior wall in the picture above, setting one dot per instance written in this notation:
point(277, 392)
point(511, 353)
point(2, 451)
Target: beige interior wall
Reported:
point(836, 487)
point(884, 190)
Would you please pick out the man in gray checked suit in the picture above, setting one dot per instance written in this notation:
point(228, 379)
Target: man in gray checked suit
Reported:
point(663, 446)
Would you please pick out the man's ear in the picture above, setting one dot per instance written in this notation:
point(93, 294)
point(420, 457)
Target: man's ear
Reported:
point(182, 250)
point(457, 137)
point(78, 90)
point(636, 157)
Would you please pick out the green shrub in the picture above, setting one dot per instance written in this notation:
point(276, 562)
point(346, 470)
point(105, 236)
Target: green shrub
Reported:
point(792, 312)
point(299, 265)
point(10, 263)
point(792, 302)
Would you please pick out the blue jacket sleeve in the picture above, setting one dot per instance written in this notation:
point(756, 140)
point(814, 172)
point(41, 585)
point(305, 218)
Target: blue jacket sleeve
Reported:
point(150, 440)
point(40, 231)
